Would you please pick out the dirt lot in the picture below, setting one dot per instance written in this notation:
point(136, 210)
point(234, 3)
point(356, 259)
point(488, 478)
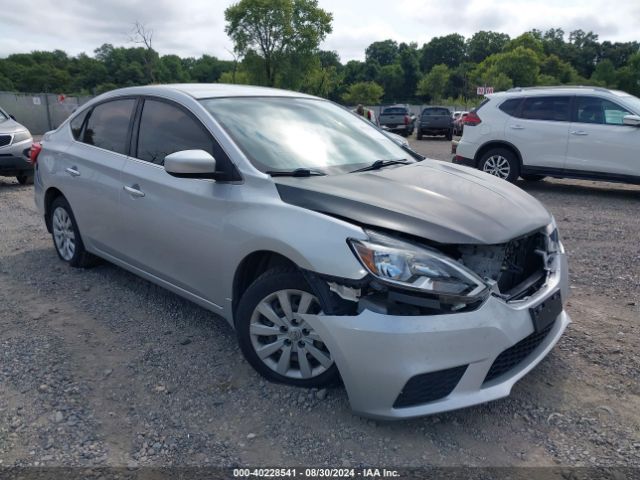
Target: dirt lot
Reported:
point(99, 367)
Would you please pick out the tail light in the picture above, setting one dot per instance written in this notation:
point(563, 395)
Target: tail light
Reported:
point(406, 119)
point(35, 150)
point(472, 119)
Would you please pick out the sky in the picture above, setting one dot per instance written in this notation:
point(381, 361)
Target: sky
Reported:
point(196, 27)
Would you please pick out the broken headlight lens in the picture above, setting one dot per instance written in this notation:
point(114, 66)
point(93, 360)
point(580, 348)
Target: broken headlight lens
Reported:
point(554, 243)
point(416, 267)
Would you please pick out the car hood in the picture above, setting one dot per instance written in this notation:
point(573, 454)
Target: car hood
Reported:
point(10, 126)
point(431, 199)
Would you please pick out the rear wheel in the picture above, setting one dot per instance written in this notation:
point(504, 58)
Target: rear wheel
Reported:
point(274, 338)
point(502, 163)
point(66, 237)
point(533, 178)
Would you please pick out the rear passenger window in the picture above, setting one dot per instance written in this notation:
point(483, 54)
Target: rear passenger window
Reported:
point(510, 107)
point(166, 129)
point(76, 125)
point(546, 108)
point(108, 125)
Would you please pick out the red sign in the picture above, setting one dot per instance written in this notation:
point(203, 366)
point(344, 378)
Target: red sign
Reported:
point(484, 90)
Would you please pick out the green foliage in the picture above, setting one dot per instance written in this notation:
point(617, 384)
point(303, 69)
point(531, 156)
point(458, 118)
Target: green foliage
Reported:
point(366, 93)
point(433, 84)
point(276, 43)
point(276, 30)
point(449, 50)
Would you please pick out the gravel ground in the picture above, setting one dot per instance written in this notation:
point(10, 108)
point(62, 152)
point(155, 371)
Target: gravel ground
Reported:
point(99, 367)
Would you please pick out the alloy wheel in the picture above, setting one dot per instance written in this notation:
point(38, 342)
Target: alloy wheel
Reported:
point(283, 341)
point(497, 165)
point(63, 234)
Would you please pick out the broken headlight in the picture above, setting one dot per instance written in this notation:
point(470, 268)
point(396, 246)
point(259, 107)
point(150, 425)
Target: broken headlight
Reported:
point(554, 244)
point(417, 268)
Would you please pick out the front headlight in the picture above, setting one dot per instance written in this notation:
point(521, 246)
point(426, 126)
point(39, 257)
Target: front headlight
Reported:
point(553, 238)
point(21, 136)
point(418, 268)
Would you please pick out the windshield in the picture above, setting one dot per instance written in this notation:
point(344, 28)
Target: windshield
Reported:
point(394, 111)
point(281, 134)
point(428, 112)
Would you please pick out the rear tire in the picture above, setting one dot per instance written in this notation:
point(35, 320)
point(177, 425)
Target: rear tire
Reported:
point(274, 339)
point(24, 179)
point(532, 178)
point(66, 236)
point(501, 163)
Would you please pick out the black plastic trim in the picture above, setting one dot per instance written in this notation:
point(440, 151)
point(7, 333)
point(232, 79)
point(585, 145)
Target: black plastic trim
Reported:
point(580, 174)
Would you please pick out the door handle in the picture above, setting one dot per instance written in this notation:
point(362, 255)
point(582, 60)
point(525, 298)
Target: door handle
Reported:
point(134, 190)
point(517, 127)
point(578, 132)
point(73, 171)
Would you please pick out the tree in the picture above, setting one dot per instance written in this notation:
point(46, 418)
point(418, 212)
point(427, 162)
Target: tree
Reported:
point(274, 29)
point(553, 67)
point(521, 65)
point(385, 52)
point(142, 35)
point(485, 43)
point(529, 40)
point(408, 59)
point(433, 84)
point(449, 50)
point(366, 93)
point(605, 73)
point(391, 79)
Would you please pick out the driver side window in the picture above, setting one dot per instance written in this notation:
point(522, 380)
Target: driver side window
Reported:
point(166, 129)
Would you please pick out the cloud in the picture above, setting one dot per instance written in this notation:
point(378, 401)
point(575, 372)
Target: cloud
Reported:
point(197, 27)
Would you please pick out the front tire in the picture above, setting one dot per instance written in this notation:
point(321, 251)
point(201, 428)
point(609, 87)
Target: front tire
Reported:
point(501, 163)
point(66, 236)
point(276, 342)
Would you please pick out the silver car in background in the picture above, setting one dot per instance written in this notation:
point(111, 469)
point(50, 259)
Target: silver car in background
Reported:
point(15, 140)
point(335, 252)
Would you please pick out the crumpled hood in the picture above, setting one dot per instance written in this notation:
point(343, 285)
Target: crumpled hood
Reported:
point(435, 200)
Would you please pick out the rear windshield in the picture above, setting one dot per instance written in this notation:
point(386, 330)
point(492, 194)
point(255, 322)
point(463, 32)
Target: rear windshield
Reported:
point(394, 111)
point(429, 112)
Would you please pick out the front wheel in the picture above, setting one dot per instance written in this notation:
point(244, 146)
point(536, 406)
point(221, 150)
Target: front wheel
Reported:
point(274, 338)
point(501, 163)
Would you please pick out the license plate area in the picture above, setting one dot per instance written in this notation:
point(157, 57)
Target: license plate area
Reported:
point(545, 313)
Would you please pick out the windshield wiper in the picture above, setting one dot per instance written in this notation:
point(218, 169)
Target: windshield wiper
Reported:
point(378, 164)
point(298, 172)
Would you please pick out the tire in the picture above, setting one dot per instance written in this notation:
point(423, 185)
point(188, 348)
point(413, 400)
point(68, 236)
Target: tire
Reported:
point(66, 236)
point(24, 179)
point(532, 178)
point(502, 163)
point(419, 135)
point(283, 333)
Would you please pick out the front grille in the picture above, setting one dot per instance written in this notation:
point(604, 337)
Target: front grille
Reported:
point(428, 387)
point(521, 261)
point(5, 140)
point(512, 356)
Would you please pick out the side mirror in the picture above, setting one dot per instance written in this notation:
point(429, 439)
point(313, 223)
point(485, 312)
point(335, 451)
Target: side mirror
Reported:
point(191, 164)
point(632, 120)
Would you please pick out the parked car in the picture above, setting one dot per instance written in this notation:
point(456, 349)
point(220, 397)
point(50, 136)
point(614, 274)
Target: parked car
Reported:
point(435, 121)
point(398, 119)
point(15, 140)
point(458, 123)
point(573, 132)
point(333, 252)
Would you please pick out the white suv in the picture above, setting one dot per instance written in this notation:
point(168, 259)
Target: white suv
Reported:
point(574, 132)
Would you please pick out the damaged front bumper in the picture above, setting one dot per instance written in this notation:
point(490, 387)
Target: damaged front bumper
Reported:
point(397, 366)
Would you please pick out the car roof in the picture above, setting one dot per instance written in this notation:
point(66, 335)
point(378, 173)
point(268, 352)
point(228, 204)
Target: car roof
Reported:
point(210, 90)
point(559, 90)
